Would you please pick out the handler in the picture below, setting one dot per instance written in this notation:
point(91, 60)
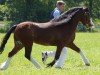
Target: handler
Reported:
point(54, 14)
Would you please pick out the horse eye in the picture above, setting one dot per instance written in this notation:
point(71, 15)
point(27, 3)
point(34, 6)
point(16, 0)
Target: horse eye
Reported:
point(87, 13)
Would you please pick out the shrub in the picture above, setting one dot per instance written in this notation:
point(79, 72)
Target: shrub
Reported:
point(7, 25)
point(81, 28)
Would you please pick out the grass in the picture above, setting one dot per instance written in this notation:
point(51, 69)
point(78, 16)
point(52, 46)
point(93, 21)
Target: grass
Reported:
point(88, 42)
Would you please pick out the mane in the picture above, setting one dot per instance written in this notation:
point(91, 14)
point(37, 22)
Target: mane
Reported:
point(67, 14)
point(66, 20)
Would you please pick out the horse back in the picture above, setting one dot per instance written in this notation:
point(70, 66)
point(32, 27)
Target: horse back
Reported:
point(41, 33)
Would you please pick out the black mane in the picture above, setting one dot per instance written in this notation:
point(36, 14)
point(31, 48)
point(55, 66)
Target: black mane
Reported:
point(67, 14)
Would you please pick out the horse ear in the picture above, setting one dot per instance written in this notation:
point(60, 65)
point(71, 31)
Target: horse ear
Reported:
point(85, 9)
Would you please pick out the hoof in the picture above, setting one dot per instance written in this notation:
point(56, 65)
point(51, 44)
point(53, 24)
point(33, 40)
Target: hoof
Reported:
point(48, 65)
point(87, 64)
point(58, 67)
point(2, 68)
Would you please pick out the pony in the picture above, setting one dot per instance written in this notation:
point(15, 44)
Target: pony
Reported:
point(59, 32)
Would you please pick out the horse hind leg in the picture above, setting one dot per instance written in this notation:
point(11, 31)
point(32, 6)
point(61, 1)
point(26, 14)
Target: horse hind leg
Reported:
point(28, 50)
point(75, 48)
point(16, 48)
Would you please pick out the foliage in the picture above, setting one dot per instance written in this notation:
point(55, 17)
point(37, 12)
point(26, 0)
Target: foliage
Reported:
point(97, 22)
point(81, 28)
point(23, 10)
point(2, 1)
point(3, 10)
point(39, 10)
point(6, 27)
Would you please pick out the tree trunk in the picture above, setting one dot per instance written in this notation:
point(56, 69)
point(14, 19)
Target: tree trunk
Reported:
point(91, 6)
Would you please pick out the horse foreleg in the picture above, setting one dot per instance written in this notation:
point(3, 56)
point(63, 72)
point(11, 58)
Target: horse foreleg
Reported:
point(75, 48)
point(28, 50)
point(57, 55)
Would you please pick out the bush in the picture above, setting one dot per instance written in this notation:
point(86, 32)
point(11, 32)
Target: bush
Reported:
point(3, 9)
point(81, 28)
point(2, 30)
point(7, 25)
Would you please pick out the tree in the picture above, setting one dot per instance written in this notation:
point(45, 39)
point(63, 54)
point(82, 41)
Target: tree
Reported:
point(2, 1)
point(39, 10)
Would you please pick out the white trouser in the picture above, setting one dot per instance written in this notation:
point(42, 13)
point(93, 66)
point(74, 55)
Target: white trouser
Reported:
point(61, 59)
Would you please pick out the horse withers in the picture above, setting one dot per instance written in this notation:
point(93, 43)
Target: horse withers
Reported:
point(59, 32)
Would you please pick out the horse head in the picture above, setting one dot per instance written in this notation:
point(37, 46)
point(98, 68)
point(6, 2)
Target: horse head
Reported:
point(86, 18)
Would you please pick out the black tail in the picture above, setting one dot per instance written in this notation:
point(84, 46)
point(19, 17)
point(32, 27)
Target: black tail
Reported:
point(6, 37)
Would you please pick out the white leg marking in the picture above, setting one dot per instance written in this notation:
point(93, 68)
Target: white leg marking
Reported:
point(61, 59)
point(86, 61)
point(37, 65)
point(5, 65)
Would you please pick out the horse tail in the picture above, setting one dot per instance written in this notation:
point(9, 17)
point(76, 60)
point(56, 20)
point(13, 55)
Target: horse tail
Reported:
point(6, 37)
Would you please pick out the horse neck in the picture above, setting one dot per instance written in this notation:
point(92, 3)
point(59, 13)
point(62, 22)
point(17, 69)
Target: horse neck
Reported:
point(73, 23)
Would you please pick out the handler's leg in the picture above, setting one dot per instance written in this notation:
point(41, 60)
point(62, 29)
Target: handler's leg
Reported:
point(60, 61)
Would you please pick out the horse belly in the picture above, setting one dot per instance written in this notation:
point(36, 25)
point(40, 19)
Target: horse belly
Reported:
point(44, 41)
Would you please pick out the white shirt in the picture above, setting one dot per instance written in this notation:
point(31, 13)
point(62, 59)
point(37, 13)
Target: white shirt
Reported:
point(56, 13)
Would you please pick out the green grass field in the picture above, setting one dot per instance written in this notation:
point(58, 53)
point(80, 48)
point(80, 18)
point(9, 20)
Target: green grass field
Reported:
point(88, 42)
